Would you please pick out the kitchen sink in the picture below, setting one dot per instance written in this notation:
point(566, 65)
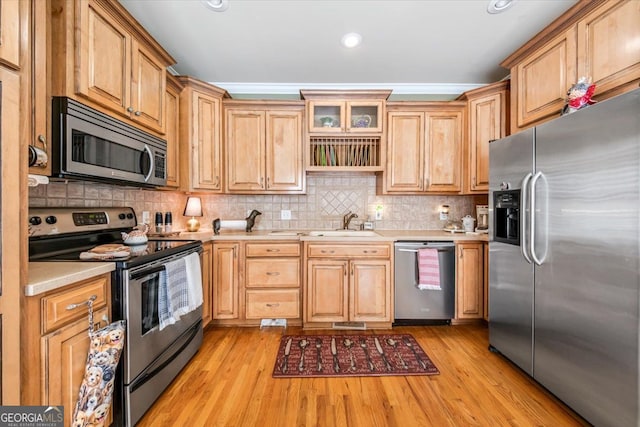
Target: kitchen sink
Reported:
point(343, 233)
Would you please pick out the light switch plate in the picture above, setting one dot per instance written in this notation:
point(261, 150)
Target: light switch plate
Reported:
point(145, 217)
point(285, 214)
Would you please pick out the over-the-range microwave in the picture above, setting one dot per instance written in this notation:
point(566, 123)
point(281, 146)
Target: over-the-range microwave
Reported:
point(90, 145)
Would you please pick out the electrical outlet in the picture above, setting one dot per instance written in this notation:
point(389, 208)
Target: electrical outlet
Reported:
point(145, 217)
point(378, 214)
point(285, 214)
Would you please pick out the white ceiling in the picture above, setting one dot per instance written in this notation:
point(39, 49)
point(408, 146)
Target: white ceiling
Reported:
point(280, 46)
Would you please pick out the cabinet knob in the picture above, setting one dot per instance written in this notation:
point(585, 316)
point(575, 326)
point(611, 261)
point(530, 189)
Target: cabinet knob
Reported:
point(137, 113)
point(130, 110)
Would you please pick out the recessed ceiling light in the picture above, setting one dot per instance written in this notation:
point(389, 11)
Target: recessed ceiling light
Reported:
point(498, 6)
point(217, 5)
point(351, 40)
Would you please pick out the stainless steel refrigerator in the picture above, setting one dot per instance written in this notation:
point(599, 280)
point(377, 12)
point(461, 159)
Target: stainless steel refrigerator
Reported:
point(564, 257)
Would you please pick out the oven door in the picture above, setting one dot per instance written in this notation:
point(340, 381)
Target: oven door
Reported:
point(145, 342)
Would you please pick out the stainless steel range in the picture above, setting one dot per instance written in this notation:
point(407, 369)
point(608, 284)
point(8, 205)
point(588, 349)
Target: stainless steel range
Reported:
point(152, 357)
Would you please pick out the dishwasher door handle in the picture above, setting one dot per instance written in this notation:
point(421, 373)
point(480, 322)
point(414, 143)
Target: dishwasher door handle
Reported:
point(415, 251)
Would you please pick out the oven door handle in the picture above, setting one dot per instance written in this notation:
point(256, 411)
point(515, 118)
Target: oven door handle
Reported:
point(138, 274)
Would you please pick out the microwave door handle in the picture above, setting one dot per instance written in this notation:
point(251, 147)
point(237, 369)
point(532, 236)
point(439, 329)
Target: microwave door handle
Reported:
point(532, 215)
point(151, 165)
point(523, 215)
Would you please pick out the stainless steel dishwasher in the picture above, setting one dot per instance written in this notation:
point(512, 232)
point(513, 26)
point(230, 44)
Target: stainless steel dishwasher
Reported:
point(414, 306)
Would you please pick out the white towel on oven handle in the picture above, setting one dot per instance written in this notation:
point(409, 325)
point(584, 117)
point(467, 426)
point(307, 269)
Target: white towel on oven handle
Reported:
point(194, 279)
point(173, 293)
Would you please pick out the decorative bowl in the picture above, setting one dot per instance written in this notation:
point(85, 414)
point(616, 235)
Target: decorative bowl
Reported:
point(361, 121)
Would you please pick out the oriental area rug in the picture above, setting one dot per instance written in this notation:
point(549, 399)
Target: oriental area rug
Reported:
point(351, 355)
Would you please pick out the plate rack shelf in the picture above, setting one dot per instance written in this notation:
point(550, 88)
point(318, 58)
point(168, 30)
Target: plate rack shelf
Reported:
point(345, 153)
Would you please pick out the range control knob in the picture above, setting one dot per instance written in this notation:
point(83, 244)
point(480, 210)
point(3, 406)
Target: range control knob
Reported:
point(35, 220)
point(121, 216)
point(129, 215)
point(51, 219)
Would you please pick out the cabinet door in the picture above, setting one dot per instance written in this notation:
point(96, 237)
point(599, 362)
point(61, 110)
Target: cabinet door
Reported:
point(608, 47)
point(64, 358)
point(245, 150)
point(485, 124)
point(405, 152)
point(225, 281)
point(540, 82)
point(370, 290)
point(148, 82)
point(284, 159)
point(104, 67)
point(10, 23)
point(469, 281)
point(206, 259)
point(327, 291)
point(206, 171)
point(41, 106)
point(364, 116)
point(327, 116)
point(443, 152)
point(172, 122)
point(485, 288)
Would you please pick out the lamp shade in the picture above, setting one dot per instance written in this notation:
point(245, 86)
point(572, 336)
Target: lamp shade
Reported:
point(194, 207)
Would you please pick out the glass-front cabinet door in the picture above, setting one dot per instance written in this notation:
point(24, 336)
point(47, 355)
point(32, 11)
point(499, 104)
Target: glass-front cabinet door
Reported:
point(345, 116)
point(327, 116)
point(364, 116)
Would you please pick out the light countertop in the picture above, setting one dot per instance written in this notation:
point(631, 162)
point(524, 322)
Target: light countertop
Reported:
point(383, 235)
point(47, 276)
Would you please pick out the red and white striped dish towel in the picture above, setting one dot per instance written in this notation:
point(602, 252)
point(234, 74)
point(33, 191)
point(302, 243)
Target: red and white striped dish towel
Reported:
point(428, 269)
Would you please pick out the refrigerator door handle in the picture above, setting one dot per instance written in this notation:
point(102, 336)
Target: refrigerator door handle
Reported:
point(523, 226)
point(532, 219)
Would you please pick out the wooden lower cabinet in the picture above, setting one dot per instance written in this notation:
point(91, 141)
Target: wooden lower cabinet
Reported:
point(486, 281)
point(226, 280)
point(256, 280)
point(64, 358)
point(348, 283)
point(469, 280)
point(207, 291)
point(56, 342)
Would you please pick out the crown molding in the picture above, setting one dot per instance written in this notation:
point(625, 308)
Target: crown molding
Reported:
point(397, 88)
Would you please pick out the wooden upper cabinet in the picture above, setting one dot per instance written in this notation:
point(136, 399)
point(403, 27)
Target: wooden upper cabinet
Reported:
point(444, 130)
point(595, 39)
point(405, 152)
point(488, 113)
point(540, 82)
point(357, 116)
point(245, 138)
point(104, 55)
point(106, 59)
point(147, 88)
point(608, 47)
point(10, 28)
point(172, 130)
point(200, 130)
point(263, 145)
point(424, 148)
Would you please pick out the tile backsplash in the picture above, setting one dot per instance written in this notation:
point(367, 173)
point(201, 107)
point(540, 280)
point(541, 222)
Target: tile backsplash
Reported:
point(328, 198)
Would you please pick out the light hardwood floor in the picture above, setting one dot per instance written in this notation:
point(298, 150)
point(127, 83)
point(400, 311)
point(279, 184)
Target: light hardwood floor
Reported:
point(229, 383)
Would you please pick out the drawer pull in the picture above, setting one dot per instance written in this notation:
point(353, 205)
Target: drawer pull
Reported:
point(370, 252)
point(273, 250)
point(91, 299)
point(273, 273)
point(275, 304)
point(327, 252)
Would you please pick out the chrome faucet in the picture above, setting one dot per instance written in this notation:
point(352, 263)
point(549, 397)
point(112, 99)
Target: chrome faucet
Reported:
point(346, 219)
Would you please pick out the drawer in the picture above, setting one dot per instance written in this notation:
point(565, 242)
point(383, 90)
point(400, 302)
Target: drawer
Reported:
point(272, 304)
point(273, 273)
point(54, 307)
point(351, 251)
point(272, 249)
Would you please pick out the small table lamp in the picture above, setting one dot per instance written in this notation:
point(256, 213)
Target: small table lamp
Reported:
point(193, 209)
